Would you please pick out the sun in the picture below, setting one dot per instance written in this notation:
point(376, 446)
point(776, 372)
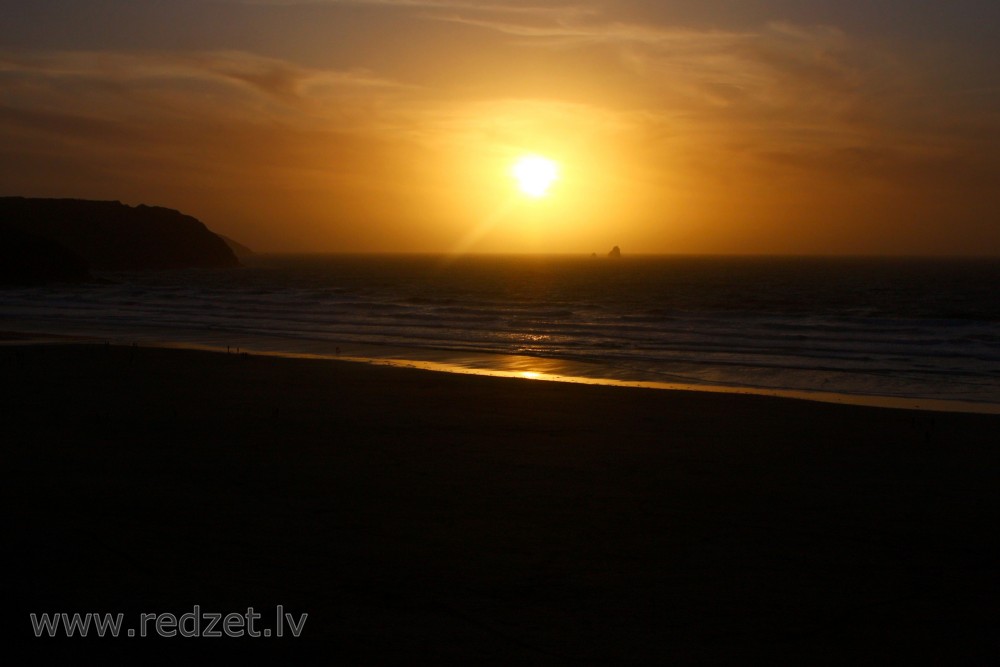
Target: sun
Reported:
point(535, 175)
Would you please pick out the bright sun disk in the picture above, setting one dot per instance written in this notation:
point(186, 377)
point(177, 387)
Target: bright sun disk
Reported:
point(535, 175)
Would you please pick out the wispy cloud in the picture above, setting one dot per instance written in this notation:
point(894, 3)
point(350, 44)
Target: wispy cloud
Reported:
point(525, 9)
point(194, 111)
point(131, 90)
point(270, 76)
point(785, 93)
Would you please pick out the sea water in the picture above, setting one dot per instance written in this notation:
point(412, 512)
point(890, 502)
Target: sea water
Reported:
point(912, 329)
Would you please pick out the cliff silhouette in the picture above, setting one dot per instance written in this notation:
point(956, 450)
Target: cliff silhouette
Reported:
point(109, 235)
point(28, 259)
point(238, 248)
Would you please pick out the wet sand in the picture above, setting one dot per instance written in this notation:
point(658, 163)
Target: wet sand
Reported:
point(428, 516)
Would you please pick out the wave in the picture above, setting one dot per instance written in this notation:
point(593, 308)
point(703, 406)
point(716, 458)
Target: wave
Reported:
point(800, 326)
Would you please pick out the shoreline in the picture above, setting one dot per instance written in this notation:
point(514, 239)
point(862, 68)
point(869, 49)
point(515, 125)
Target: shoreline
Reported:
point(530, 368)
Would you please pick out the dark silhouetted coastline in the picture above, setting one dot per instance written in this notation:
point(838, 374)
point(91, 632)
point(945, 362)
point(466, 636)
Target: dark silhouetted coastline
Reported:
point(109, 235)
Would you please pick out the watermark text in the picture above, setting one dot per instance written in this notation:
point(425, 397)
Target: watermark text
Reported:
point(195, 623)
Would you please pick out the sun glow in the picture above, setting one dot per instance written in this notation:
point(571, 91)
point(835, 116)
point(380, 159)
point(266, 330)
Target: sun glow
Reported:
point(535, 175)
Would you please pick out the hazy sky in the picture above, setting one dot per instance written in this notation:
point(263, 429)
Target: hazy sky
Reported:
point(764, 126)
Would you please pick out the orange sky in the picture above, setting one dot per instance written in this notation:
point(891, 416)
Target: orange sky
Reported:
point(392, 125)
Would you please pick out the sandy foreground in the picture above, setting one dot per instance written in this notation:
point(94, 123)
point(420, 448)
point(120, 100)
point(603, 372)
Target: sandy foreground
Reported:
point(427, 516)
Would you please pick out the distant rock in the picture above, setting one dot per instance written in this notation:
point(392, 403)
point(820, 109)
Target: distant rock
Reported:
point(109, 235)
point(28, 259)
point(238, 248)
point(615, 252)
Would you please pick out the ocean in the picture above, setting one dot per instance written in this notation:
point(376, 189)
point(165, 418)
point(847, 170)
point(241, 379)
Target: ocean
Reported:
point(905, 332)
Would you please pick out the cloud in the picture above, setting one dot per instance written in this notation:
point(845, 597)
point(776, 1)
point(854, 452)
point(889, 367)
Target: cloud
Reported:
point(215, 115)
point(523, 9)
point(745, 63)
point(278, 79)
point(794, 96)
point(208, 114)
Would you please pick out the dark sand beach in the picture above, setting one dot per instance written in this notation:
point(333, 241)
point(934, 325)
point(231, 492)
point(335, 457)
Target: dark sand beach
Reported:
point(427, 516)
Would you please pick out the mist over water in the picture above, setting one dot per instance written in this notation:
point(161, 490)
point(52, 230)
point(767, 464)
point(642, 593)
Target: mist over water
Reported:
point(918, 328)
